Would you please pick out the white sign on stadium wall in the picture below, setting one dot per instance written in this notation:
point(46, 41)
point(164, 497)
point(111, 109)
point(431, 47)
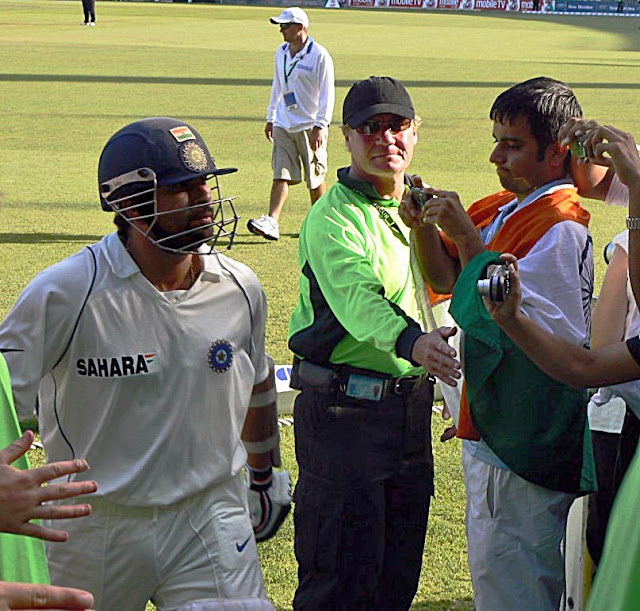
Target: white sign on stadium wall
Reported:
point(488, 5)
point(447, 4)
point(406, 3)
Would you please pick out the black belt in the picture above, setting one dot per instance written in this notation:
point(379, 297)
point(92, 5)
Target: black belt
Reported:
point(351, 383)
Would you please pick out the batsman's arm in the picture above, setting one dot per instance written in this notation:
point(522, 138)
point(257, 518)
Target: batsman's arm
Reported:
point(269, 493)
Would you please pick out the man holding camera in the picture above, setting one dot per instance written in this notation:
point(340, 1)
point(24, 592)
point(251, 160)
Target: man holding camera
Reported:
point(362, 419)
point(517, 505)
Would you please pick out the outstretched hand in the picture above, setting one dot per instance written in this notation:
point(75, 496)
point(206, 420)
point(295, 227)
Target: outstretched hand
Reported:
point(433, 352)
point(23, 497)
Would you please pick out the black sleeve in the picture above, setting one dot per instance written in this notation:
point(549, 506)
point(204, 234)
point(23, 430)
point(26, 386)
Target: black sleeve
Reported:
point(633, 344)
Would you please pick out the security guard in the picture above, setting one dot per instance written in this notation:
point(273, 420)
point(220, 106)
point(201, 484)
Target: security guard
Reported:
point(362, 420)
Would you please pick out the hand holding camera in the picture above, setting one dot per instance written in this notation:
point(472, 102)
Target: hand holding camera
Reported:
point(497, 283)
point(420, 197)
point(506, 311)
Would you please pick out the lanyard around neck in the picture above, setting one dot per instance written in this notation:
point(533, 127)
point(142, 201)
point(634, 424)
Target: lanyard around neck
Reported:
point(384, 214)
point(286, 73)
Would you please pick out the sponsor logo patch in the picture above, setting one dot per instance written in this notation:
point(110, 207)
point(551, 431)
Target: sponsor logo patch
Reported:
point(240, 546)
point(220, 355)
point(117, 366)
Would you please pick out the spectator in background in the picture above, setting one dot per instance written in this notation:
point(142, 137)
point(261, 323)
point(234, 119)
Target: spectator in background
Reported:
point(89, 8)
point(298, 118)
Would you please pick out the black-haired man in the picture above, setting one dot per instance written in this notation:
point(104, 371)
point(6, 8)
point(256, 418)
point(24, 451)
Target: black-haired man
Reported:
point(145, 357)
point(523, 448)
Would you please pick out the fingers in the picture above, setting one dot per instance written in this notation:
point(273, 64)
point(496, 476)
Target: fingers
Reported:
point(510, 259)
point(447, 374)
point(416, 180)
point(16, 449)
point(37, 531)
point(449, 433)
point(61, 512)
point(59, 469)
point(38, 596)
point(447, 332)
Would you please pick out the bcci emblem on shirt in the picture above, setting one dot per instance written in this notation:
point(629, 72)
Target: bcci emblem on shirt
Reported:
point(220, 356)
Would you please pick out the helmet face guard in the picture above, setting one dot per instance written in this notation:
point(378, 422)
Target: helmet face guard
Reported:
point(158, 152)
point(133, 196)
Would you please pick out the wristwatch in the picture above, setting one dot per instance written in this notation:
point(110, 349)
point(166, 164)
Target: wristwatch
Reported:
point(633, 223)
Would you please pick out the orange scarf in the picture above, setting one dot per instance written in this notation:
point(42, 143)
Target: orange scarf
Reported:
point(519, 233)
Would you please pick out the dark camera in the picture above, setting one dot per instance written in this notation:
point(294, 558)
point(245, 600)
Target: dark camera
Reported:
point(496, 284)
point(420, 197)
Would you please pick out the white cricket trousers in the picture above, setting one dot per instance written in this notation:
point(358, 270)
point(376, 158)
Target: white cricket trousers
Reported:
point(198, 548)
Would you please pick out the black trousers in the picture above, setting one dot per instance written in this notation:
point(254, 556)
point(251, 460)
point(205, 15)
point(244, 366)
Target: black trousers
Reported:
point(362, 500)
point(613, 454)
point(89, 8)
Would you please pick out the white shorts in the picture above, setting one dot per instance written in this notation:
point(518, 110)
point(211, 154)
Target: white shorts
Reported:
point(201, 547)
point(514, 534)
point(292, 154)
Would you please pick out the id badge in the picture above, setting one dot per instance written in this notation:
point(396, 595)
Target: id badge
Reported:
point(364, 387)
point(290, 99)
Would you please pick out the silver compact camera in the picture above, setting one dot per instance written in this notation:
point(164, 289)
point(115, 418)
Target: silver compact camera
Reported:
point(496, 284)
point(576, 148)
point(420, 197)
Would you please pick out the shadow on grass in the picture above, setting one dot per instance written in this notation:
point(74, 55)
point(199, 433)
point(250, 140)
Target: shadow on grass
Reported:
point(239, 82)
point(46, 238)
point(253, 240)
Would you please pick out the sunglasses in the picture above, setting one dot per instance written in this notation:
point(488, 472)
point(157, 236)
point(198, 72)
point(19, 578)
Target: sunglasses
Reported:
point(374, 126)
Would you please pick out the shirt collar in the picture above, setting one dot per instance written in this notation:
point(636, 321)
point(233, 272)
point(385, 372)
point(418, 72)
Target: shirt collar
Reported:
point(362, 186)
point(124, 266)
point(547, 189)
point(305, 49)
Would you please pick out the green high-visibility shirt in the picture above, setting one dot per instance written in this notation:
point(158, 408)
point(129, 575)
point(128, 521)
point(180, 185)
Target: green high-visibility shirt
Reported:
point(617, 583)
point(357, 303)
point(21, 558)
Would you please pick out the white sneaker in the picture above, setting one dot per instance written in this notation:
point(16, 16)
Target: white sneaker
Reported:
point(92, 24)
point(266, 226)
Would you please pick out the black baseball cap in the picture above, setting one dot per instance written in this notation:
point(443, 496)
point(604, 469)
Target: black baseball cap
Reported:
point(374, 96)
point(173, 149)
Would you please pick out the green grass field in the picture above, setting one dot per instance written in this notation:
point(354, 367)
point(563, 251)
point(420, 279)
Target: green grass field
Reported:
point(64, 89)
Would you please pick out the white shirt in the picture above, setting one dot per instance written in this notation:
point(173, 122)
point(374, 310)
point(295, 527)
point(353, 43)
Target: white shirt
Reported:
point(134, 393)
point(309, 76)
point(557, 284)
point(608, 406)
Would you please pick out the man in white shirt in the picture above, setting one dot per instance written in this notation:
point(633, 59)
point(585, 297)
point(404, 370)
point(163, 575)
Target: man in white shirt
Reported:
point(147, 357)
point(517, 503)
point(298, 118)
